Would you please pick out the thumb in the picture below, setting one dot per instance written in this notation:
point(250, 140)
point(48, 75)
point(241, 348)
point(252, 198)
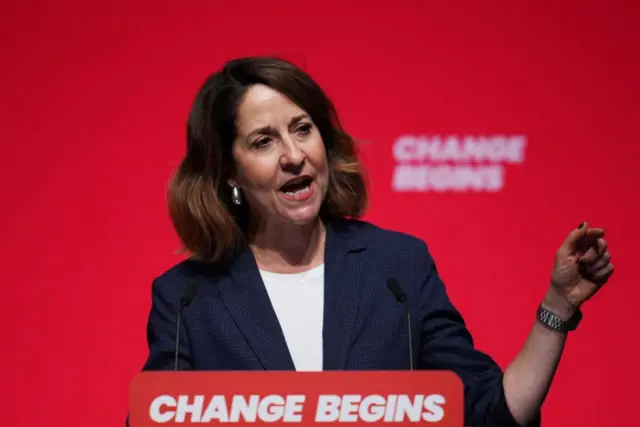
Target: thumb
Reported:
point(571, 242)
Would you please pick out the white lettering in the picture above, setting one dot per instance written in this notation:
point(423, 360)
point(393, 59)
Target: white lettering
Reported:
point(402, 148)
point(184, 408)
point(155, 409)
point(410, 178)
point(274, 408)
point(433, 405)
point(391, 407)
point(269, 408)
point(241, 409)
point(349, 407)
point(440, 178)
point(517, 145)
point(217, 409)
point(327, 409)
point(293, 408)
point(373, 408)
point(409, 409)
point(453, 148)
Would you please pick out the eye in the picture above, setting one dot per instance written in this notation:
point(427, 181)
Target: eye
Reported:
point(261, 142)
point(304, 129)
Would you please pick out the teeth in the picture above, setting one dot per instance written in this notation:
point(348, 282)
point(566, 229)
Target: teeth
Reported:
point(295, 193)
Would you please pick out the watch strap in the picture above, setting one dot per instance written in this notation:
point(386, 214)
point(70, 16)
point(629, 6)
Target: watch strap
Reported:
point(553, 322)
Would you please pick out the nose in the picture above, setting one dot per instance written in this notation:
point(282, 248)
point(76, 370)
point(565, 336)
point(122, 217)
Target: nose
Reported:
point(293, 157)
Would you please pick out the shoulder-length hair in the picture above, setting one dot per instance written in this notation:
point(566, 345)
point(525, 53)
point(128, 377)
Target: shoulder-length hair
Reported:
point(209, 226)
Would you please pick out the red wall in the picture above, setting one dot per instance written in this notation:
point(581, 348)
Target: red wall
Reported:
point(92, 116)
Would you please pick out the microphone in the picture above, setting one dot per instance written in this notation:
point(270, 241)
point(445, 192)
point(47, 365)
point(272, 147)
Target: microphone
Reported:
point(401, 297)
point(189, 294)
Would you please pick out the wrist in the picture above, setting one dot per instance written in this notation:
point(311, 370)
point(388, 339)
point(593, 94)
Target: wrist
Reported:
point(559, 305)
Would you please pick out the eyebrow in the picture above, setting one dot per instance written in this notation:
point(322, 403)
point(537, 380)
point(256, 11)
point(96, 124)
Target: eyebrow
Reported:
point(268, 129)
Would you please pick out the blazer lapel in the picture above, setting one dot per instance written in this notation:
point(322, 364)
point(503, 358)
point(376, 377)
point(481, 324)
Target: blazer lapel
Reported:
point(344, 268)
point(246, 298)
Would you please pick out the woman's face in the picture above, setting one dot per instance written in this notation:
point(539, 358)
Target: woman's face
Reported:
point(280, 158)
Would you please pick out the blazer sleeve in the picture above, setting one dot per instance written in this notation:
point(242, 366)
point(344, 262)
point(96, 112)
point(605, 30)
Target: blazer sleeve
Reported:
point(161, 329)
point(446, 344)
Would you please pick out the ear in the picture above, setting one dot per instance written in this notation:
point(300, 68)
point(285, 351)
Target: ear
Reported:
point(232, 183)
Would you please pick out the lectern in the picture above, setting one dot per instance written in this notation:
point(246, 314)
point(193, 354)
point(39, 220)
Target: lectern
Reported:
point(261, 398)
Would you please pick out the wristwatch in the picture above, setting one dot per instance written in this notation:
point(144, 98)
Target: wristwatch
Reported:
point(555, 323)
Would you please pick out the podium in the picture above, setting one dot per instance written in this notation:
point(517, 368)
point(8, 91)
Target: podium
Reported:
point(261, 398)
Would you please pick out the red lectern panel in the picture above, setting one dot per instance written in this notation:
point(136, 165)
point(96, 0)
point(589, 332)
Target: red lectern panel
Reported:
point(356, 398)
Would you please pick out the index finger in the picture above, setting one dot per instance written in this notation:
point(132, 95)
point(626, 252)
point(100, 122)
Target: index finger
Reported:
point(594, 233)
point(590, 242)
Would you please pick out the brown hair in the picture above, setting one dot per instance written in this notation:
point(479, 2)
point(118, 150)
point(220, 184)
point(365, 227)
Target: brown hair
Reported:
point(208, 224)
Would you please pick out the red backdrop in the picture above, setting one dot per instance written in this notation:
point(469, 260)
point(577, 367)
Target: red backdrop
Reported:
point(92, 118)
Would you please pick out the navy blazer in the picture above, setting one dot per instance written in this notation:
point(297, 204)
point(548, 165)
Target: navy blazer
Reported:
point(231, 324)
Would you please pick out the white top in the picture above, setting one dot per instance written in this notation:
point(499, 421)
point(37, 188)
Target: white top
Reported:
point(298, 300)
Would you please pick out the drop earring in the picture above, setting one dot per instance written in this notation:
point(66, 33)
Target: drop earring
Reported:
point(236, 199)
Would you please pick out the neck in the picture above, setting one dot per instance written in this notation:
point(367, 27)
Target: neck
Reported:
point(289, 248)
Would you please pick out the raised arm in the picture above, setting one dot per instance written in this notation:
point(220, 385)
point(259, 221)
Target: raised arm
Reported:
point(582, 266)
point(515, 397)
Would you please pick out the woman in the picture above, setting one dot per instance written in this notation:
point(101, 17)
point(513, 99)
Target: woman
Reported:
point(265, 201)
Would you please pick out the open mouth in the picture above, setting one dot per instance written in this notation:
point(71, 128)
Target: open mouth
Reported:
point(297, 186)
